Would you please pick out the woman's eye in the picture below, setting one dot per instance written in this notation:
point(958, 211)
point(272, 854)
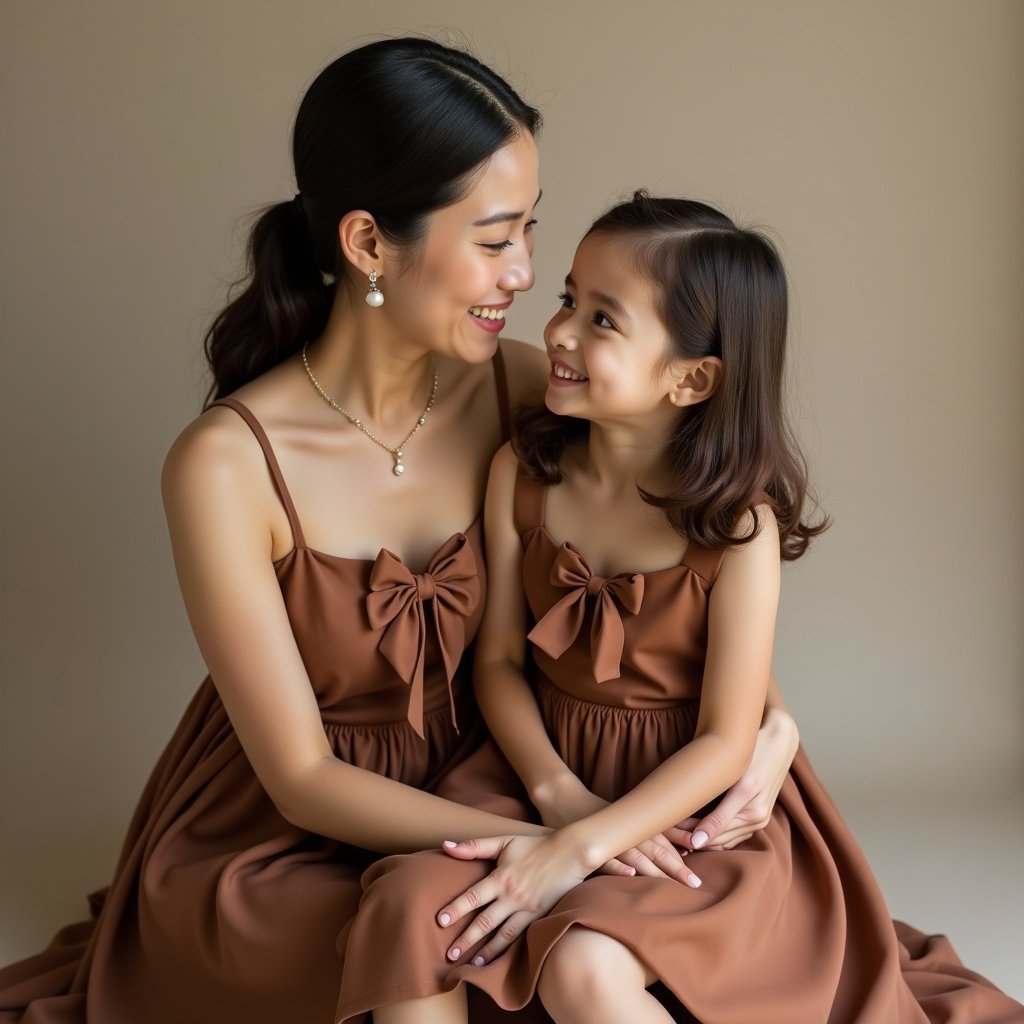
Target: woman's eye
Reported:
point(498, 246)
point(566, 300)
point(602, 321)
point(530, 224)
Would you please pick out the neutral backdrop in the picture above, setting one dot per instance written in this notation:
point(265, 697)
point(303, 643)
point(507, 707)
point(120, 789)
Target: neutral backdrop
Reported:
point(881, 143)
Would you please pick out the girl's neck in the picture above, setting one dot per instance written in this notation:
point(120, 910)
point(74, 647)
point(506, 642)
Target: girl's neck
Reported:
point(367, 369)
point(619, 457)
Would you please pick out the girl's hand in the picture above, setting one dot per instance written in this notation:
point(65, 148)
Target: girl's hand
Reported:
point(568, 800)
point(532, 875)
point(747, 806)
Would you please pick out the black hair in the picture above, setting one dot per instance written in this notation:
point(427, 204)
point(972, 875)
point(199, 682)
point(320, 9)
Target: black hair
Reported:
point(395, 128)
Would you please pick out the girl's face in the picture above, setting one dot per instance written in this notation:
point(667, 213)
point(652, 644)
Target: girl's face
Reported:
point(476, 257)
point(607, 344)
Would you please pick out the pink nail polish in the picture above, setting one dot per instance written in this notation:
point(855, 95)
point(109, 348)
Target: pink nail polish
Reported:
point(445, 918)
point(478, 961)
point(693, 882)
point(449, 845)
point(455, 953)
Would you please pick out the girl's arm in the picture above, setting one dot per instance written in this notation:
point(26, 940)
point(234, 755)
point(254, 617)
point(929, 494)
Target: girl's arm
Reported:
point(747, 806)
point(214, 486)
point(508, 702)
point(741, 629)
point(533, 873)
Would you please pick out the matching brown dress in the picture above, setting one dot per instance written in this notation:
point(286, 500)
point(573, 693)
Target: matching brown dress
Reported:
point(788, 928)
point(221, 912)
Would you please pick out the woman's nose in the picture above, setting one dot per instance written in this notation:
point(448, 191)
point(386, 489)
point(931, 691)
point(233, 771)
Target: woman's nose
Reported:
point(518, 275)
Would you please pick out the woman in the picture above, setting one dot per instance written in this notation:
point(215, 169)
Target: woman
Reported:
point(325, 520)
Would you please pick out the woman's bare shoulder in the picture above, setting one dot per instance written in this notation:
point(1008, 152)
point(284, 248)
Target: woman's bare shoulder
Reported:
point(216, 451)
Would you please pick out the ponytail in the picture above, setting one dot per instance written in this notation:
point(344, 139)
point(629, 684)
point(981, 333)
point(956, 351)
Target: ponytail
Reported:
point(284, 303)
point(395, 128)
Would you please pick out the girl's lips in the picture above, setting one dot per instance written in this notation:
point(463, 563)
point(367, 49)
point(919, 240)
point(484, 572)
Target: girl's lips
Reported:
point(561, 382)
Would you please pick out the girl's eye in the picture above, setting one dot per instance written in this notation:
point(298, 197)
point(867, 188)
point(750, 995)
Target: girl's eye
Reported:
point(566, 300)
point(601, 320)
point(498, 246)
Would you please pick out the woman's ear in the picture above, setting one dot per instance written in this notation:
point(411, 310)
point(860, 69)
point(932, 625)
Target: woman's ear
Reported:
point(697, 382)
point(360, 241)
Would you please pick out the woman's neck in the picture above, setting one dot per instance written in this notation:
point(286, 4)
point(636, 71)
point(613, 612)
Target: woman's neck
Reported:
point(367, 369)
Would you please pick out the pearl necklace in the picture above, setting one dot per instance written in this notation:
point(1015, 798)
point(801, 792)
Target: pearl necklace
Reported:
point(396, 452)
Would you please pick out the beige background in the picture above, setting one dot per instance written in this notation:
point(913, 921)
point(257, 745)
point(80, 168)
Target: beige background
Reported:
point(883, 144)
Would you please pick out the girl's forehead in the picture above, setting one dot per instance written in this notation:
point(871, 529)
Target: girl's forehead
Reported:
point(604, 264)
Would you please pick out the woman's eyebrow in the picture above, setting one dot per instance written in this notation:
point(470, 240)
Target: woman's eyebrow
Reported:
point(503, 217)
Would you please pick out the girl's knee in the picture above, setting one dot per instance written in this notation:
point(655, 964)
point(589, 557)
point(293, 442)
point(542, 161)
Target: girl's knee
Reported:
point(585, 965)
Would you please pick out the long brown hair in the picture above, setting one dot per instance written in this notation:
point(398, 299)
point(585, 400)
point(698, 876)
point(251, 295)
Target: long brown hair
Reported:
point(721, 291)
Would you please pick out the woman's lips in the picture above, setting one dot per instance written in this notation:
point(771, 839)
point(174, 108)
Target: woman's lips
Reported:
point(490, 318)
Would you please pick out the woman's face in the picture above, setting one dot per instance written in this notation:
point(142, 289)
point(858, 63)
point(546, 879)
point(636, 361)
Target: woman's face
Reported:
point(477, 255)
point(607, 344)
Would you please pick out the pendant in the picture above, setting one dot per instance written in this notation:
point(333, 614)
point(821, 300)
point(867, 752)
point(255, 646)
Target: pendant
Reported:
point(399, 468)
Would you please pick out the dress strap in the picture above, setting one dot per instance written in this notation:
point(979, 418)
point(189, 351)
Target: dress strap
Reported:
point(705, 562)
point(529, 501)
point(501, 386)
point(275, 470)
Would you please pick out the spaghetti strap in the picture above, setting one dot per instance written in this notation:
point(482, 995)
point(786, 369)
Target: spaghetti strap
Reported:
point(501, 386)
point(705, 562)
point(528, 503)
point(275, 470)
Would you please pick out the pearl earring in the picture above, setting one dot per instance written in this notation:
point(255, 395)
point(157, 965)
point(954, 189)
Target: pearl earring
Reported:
point(374, 297)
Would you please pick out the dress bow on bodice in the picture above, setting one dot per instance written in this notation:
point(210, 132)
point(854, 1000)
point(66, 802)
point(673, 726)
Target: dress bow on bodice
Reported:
point(395, 603)
point(558, 628)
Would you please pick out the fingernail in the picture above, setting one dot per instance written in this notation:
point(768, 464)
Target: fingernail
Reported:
point(445, 918)
point(699, 839)
point(478, 961)
point(455, 953)
point(693, 882)
point(449, 844)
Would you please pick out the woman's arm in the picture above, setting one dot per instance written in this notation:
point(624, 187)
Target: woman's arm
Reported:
point(217, 497)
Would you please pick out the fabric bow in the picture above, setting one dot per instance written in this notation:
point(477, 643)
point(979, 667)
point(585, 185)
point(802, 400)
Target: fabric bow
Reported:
point(395, 603)
point(561, 624)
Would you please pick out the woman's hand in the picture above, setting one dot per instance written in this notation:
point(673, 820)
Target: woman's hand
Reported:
point(567, 800)
point(747, 806)
point(532, 875)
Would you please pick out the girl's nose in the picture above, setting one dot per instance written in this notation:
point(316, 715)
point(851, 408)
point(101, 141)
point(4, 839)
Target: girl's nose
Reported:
point(560, 334)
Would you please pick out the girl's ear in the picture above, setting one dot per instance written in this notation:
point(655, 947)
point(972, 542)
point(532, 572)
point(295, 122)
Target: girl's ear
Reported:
point(361, 242)
point(697, 383)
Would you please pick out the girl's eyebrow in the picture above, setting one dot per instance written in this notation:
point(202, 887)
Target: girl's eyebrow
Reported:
point(605, 300)
point(500, 218)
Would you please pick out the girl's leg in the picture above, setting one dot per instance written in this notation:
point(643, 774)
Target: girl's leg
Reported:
point(447, 1008)
point(590, 977)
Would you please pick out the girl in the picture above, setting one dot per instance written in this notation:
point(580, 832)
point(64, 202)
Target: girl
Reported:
point(325, 518)
point(634, 533)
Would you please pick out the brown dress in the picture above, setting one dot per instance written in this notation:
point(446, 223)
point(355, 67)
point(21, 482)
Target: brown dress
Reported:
point(221, 911)
point(788, 928)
